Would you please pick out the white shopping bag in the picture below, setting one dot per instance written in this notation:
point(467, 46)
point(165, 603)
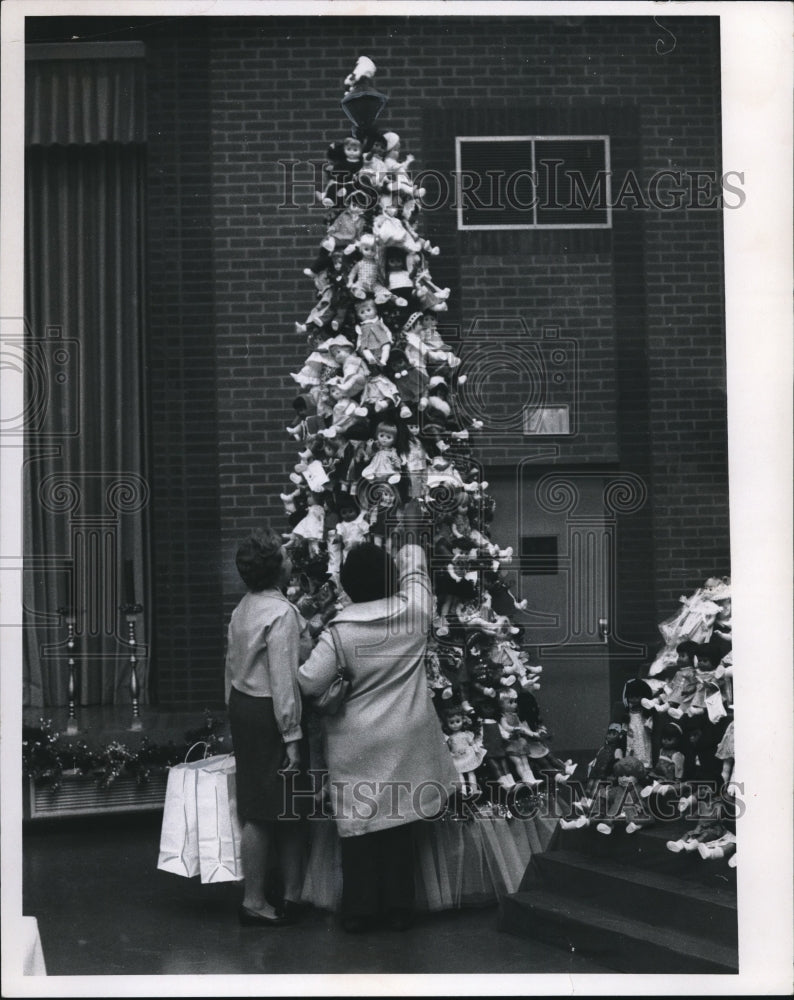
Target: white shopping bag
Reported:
point(218, 826)
point(179, 850)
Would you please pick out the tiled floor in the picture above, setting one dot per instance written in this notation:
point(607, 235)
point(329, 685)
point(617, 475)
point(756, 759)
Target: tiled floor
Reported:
point(103, 908)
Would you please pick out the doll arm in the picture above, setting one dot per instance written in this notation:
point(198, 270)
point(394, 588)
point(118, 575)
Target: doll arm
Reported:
point(505, 730)
point(354, 379)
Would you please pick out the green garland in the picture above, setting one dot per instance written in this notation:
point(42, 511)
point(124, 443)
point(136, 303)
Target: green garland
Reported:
point(47, 758)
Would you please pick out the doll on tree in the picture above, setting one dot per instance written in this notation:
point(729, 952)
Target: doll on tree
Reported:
point(467, 754)
point(380, 431)
point(385, 464)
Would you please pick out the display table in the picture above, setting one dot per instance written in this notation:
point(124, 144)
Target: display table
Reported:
point(458, 862)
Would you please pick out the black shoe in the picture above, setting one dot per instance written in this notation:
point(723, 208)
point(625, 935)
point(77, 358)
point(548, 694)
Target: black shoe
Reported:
point(250, 919)
point(401, 920)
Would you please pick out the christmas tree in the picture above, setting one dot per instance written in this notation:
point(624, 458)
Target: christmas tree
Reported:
point(385, 448)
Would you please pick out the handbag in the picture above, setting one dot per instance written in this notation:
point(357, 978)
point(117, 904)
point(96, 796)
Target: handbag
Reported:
point(331, 700)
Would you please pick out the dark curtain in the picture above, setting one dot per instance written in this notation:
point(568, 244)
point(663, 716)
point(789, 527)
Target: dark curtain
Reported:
point(85, 93)
point(87, 497)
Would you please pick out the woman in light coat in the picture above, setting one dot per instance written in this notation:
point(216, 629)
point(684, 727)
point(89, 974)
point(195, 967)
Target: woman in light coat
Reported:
point(388, 763)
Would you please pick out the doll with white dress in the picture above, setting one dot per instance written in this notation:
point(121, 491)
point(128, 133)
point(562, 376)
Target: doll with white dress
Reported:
point(353, 527)
point(385, 464)
point(317, 367)
point(310, 529)
point(467, 754)
point(392, 231)
point(398, 179)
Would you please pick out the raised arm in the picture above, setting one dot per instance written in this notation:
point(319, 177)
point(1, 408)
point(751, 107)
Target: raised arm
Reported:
point(415, 583)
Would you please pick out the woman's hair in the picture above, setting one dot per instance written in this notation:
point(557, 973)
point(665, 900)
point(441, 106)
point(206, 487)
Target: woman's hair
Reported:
point(368, 573)
point(259, 558)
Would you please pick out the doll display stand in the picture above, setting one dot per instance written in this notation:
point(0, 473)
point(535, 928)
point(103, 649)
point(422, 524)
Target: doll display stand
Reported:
point(458, 863)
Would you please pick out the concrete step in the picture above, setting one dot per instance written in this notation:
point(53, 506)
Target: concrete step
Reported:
point(661, 899)
point(647, 849)
point(619, 942)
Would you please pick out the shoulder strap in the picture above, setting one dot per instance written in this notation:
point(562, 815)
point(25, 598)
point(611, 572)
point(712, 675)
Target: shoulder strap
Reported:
point(341, 662)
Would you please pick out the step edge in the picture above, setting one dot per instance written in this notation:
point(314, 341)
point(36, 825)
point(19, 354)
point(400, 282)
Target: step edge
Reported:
point(686, 943)
point(634, 873)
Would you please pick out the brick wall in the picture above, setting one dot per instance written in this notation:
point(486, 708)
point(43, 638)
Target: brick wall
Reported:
point(228, 237)
point(228, 98)
point(568, 296)
point(276, 85)
point(187, 647)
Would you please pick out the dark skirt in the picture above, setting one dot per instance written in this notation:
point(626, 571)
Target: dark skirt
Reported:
point(259, 753)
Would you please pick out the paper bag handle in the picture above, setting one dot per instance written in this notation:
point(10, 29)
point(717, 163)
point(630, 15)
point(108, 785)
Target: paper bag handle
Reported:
point(200, 743)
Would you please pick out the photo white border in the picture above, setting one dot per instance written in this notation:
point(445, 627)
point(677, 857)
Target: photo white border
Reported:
point(756, 42)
